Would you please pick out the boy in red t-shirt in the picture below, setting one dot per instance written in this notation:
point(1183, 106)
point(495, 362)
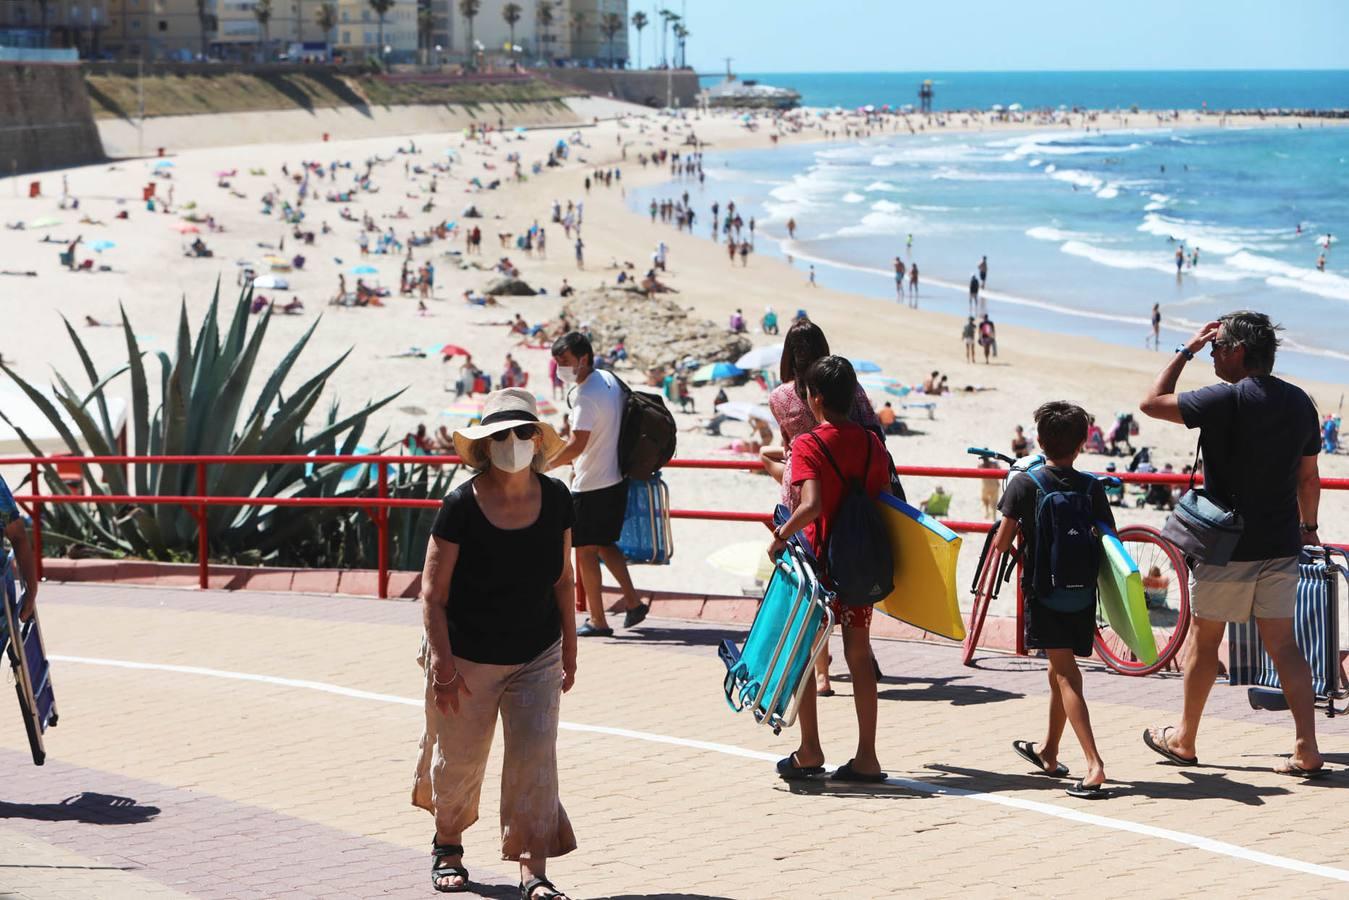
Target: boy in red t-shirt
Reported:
point(831, 385)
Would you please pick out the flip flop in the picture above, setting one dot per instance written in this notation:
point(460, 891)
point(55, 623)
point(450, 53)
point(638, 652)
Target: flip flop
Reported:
point(1293, 771)
point(1025, 750)
point(827, 692)
point(847, 773)
point(635, 615)
point(1164, 748)
point(1087, 791)
point(588, 629)
point(788, 770)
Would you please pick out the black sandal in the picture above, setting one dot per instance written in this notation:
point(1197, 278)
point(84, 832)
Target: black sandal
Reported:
point(441, 870)
point(527, 890)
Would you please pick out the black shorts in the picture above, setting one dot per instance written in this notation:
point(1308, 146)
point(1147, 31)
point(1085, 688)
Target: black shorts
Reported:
point(599, 515)
point(1049, 629)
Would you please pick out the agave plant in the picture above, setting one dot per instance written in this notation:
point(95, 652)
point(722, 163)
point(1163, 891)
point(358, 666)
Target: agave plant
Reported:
point(202, 392)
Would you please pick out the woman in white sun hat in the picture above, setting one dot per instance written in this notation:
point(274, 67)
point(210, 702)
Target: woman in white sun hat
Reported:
point(496, 590)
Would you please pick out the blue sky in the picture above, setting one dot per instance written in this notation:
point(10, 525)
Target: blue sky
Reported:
point(1001, 35)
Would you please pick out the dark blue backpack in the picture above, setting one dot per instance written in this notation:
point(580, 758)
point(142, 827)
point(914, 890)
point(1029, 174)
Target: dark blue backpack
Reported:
point(1067, 544)
point(857, 556)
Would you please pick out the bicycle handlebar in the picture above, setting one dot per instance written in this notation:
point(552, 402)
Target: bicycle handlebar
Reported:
point(985, 453)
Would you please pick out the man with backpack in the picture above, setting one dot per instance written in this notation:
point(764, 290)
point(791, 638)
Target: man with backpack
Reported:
point(841, 468)
point(1059, 512)
point(1259, 437)
point(599, 488)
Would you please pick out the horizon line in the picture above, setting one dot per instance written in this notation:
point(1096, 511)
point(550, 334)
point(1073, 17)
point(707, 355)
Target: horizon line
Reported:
point(756, 71)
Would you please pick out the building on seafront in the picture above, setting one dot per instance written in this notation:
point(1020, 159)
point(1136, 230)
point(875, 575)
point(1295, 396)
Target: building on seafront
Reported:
point(545, 32)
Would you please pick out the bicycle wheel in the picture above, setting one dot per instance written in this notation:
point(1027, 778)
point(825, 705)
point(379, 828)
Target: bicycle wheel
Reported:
point(1166, 583)
point(985, 587)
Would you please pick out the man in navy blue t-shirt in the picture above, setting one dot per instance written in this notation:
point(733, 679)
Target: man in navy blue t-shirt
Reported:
point(1259, 436)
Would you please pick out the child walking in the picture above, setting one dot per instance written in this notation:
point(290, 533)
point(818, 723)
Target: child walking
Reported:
point(1057, 510)
point(824, 461)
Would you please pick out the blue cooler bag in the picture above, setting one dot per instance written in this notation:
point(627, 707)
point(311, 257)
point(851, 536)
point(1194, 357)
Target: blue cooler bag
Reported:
point(1316, 627)
point(646, 536)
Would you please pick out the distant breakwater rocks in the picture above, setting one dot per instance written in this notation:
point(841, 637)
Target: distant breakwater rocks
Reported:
point(1284, 113)
point(655, 331)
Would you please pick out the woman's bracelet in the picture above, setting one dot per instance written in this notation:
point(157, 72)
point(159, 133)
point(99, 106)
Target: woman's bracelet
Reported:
point(438, 683)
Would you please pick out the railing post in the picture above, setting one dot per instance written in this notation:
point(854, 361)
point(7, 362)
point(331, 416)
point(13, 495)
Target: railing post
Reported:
point(580, 585)
point(203, 564)
point(37, 519)
point(382, 532)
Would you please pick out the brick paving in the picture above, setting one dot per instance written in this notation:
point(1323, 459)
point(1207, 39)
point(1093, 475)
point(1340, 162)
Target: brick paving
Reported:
point(173, 784)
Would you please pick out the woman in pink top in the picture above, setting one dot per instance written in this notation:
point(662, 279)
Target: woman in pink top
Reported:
point(805, 342)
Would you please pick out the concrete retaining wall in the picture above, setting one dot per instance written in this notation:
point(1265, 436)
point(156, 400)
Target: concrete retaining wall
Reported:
point(45, 119)
point(649, 88)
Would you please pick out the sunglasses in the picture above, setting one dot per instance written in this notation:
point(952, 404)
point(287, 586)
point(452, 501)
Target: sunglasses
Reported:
point(523, 432)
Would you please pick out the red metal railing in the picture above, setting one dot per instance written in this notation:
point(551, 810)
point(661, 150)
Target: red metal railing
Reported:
point(378, 506)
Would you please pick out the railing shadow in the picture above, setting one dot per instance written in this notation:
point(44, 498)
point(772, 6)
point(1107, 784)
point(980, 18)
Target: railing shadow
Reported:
point(90, 808)
point(1207, 785)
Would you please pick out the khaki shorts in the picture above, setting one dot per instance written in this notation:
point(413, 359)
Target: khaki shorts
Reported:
point(1231, 593)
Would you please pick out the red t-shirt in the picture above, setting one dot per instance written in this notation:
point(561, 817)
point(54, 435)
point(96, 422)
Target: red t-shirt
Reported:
point(849, 448)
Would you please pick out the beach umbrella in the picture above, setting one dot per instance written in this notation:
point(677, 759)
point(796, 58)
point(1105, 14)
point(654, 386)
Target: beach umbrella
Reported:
point(364, 270)
point(519, 129)
point(864, 365)
point(164, 164)
point(996, 107)
point(717, 371)
point(899, 390)
point(876, 382)
point(352, 474)
point(546, 406)
point(743, 412)
point(748, 559)
point(44, 222)
point(101, 245)
point(1015, 107)
point(454, 350)
point(186, 228)
point(761, 358)
point(274, 282)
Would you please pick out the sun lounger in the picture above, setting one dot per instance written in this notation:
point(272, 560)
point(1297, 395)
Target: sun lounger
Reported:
point(1316, 627)
point(791, 629)
point(930, 406)
point(646, 536)
point(32, 673)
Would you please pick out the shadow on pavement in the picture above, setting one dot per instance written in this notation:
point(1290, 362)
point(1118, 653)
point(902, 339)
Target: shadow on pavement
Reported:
point(661, 897)
point(945, 690)
point(686, 637)
point(94, 809)
point(824, 787)
point(1201, 785)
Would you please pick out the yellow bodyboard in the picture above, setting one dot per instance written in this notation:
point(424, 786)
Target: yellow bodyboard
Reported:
point(1122, 599)
point(925, 554)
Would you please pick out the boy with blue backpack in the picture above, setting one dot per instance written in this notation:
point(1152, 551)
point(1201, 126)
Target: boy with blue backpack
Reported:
point(841, 468)
point(1059, 512)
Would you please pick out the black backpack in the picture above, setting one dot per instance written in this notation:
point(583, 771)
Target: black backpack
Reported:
point(858, 556)
point(647, 434)
point(1067, 544)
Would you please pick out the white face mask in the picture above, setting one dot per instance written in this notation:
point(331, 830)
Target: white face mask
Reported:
point(567, 374)
point(512, 455)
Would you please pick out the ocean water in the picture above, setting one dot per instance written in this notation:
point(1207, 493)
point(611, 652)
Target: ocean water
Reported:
point(1096, 90)
point(1080, 228)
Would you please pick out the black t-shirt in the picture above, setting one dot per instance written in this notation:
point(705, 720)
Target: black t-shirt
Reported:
point(1020, 499)
point(1254, 434)
point(502, 609)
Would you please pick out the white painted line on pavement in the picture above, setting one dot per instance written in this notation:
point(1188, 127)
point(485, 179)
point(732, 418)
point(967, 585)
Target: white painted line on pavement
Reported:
point(1199, 842)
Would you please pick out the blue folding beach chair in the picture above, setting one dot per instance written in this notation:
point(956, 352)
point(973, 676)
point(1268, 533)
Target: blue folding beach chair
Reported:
point(646, 536)
point(28, 656)
point(789, 632)
point(1316, 627)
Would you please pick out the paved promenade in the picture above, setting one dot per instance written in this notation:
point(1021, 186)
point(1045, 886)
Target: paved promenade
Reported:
point(258, 745)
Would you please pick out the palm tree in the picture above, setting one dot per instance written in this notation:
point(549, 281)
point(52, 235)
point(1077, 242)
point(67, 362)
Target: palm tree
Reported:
point(667, 17)
point(512, 12)
point(469, 10)
point(681, 34)
point(426, 23)
point(207, 21)
point(543, 15)
point(639, 21)
point(326, 18)
point(262, 11)
point(578, 23)
point(611, 24)
point(381, 8)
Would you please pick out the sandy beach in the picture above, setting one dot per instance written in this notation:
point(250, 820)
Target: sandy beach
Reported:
point(150, 275)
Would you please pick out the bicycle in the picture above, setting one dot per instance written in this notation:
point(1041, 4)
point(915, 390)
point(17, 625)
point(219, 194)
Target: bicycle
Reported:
point(1166, 585)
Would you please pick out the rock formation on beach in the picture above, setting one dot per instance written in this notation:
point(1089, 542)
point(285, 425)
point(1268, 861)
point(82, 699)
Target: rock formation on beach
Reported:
point(656, 331)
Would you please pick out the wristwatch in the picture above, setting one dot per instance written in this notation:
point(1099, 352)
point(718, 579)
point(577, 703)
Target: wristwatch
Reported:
point(1309, 528)
point(1185, 352)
